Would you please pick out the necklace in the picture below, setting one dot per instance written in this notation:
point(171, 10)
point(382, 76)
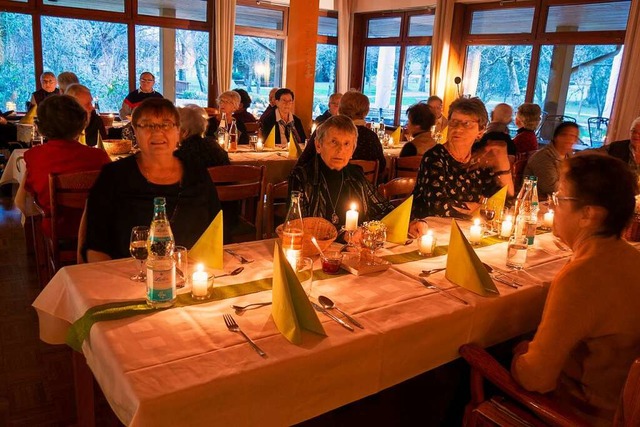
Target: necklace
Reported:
point(334, 216)
point(451, 148)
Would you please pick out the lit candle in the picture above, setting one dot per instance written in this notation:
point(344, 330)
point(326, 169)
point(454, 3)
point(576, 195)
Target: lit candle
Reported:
point(313, 128)
point(351, 223)
point(427, 243)
point(507, 225)
point(259, 145)
point(391, 141)
point(292, 256)
point(199, 282)
point(221, 141)
point(548, 219)
point(111, 115)
point(375, 126)
point(475, 235)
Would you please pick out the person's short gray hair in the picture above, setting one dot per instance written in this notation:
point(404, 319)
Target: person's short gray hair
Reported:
point(77, 88)
point(66, 79)
point(339, 122)
point(354, 104)
point(232, 96)
point(193, 120)
point(471, 107)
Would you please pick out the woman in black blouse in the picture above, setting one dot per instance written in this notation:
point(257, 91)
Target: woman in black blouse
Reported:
point(450, 181)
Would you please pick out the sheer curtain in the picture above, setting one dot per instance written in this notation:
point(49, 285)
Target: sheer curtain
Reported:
point(224, 25)
point(345, 34)
point(440, 46)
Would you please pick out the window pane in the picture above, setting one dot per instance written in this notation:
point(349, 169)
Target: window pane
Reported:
point(192, 67)
point(328, 26)
point(195, 10)
point(248, 16)
point(325, 81)
point(99, 58)
point(109, 5)
point(257, 67)
point(380, 77)
point(497, 74)
point(421, 25)
point(581, 88)
point(588, 17)
point(502, 21)
point(416, 77)
point(148, 53)
point(16, 61)
point(384, 27)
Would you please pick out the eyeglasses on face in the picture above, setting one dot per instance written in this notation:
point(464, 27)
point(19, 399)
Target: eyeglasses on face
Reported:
point(466, 124)
point(150, 127)
point(286, 101)
point(555, 198)
point(147, 80)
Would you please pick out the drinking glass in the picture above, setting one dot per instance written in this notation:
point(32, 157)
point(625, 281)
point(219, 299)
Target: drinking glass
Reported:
point(374, 234)
point(488, 213)
point(304, 271)
point(517, 252)
point(138, 250)
point(182, 265)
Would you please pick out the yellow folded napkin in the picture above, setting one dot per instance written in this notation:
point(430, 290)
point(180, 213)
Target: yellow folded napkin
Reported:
point(397, 135)
point(271, 139)
point(397, 222)
point(496, 202)
point(294, 149)
point(208, 248)
point(28, 118)
point(291, 310)
point(82, 138)
point(464, 268)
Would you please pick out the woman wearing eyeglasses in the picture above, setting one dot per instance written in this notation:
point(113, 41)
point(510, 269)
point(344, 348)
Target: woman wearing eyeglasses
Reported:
point(123, 194)
point(589, 335)
point(450, 180)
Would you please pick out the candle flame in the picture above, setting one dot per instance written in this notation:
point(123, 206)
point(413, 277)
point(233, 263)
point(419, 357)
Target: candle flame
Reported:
point(429, 233)
point(354, 206)
point(509, 218)
point(200, 267)
point(476, 221)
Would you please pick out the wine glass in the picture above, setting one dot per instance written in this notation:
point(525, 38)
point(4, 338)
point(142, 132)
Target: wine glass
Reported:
point(138, 250)
point(488, 213)
point(374, 234)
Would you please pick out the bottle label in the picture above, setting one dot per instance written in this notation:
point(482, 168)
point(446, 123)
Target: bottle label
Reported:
point(161, 284)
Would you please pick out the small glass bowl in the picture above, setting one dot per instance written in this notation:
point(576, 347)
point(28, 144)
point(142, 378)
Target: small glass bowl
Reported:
point(331, 262)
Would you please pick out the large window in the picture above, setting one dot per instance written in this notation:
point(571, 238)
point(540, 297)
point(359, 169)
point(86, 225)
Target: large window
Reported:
point(16, 61)
point(380, 81)
point(326, 62)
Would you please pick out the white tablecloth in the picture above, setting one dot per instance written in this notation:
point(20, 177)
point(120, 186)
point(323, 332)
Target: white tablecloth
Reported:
point(15, 168)
point(183, 367)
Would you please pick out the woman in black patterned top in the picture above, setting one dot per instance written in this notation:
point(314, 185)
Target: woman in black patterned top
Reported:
point(450, 182)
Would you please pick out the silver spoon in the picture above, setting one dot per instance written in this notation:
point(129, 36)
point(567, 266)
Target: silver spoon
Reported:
point(232, 273)
point(327, 303)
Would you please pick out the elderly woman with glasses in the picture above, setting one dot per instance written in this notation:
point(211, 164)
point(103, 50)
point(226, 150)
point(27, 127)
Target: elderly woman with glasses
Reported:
point(588, 336)
point(229, 103)
point(123, 194)
point(329, 184)
point(450, 180)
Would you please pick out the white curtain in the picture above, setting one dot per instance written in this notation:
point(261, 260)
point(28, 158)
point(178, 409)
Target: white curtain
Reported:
point(627, 107)
point(440, 46)
point(345, 35)
point(224, 25)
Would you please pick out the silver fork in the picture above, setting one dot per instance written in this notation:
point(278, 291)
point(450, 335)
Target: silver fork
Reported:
point(242, 259)
point(233, 327)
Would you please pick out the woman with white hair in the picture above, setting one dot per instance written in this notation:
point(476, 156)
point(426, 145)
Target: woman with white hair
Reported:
point(194, 147)
point(228, 103)
point(628, 150)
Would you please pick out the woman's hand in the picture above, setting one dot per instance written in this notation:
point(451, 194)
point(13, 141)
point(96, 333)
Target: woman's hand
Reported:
point(492, 156)
point(3, 121)
point(418, 228)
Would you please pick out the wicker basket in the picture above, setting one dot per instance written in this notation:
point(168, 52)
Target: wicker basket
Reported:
point(24, 133)
point(107, 119)
point(115, 147)
point(632, 232)
point(324, 232)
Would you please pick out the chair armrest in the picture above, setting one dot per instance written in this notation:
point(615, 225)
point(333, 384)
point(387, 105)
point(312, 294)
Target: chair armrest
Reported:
point(484, 364)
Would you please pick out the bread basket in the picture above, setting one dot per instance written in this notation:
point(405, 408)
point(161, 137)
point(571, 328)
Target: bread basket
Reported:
point(324, 232)
point(114, 147)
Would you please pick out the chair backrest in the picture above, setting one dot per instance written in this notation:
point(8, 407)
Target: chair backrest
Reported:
point(370, 169)
point(407, 166)
point(397, 190)
point(598, 127)
point(242, 183)
point(276, 206)
point(252, 128)
point(549, 125)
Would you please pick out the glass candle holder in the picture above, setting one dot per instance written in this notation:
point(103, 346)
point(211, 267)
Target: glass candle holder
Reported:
point(427, 245)
point(200, 283)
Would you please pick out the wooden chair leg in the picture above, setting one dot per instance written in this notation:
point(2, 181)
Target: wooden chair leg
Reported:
point(85, 402)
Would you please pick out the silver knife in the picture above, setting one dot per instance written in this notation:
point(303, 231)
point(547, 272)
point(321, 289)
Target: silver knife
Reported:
point(331, 316)
point(430, 285)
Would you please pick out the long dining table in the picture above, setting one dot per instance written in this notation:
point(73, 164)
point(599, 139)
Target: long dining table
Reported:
point(182, 366)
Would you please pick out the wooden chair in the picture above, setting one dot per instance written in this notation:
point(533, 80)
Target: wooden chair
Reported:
point(531, 409)
point(245, 184)
point(598, 127)
point(276, 206)
point(68, 193)
point(252, 128)
point(549, 124)
point(369, 167)
point(397, 190)
point(407, 166)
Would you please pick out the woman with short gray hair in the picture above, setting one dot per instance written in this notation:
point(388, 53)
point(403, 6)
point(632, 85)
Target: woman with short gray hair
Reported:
point(194, 147)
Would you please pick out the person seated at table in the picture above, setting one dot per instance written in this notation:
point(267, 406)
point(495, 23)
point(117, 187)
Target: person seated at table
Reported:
point(628, 150)
point(435, 103)
point(241, 114)
point(334, 103)
point(450, 180)
point(495, 138)
point(588, 336)
point(329, 184)
point(284, 120)
point(61, 120)
point(420, 120)
point(95, 126)
point(501, 116)
point(123, 194)
point(228, 103)
point(354, 105)
point(528, 118)
point(135, 98)
point(194, 147)
point(48, 87)
point(272, 104)
point(545, 163)
point(66, 79)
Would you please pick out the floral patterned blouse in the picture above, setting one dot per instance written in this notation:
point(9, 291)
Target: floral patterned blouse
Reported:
point(444, 183)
